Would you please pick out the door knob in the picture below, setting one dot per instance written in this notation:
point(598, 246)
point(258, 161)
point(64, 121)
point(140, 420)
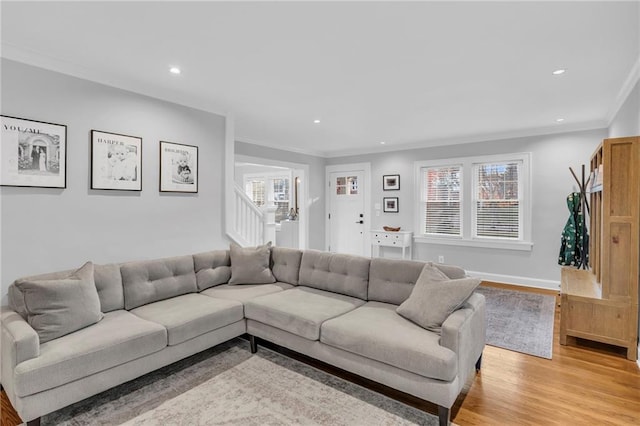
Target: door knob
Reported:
point(360, 222)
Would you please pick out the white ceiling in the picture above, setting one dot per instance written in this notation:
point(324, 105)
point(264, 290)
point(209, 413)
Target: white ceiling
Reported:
point(408, 73)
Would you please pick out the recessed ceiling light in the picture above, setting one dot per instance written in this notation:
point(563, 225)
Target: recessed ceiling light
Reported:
point(316, 121)
point(175, 70)
point(559, 71)
point(559, 120)
point(382, 142)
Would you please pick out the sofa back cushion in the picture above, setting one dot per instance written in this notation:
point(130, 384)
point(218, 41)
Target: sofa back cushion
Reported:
point(285, 264)
point(107, 279)
point(392, 280)
point(153, 280)
point(109, 284)
point(339, 273)
point(212, 268)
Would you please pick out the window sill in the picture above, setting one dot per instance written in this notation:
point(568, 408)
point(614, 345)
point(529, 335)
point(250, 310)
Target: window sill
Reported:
point(504, 245)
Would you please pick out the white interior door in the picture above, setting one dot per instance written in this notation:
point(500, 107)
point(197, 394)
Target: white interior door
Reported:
point(347, 212)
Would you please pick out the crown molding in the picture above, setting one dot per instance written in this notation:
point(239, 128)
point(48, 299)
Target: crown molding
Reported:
point(486, 137)
point(43, 60)
point(50, 63)
point(310, 152)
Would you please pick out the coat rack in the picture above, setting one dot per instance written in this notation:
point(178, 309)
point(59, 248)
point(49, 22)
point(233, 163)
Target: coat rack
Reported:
point(584, 207)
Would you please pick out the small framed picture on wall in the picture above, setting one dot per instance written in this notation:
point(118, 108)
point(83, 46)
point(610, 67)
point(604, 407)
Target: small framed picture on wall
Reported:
point(178, 167)
point(390, 205)
point(116, 161)
point(390, 182)
point(33, 153)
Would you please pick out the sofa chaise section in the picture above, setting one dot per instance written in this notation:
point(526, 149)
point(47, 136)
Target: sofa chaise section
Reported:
point(371, 339)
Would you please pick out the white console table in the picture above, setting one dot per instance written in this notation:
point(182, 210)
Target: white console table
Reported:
point(400, 239)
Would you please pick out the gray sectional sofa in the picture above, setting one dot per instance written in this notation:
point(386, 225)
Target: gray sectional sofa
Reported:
point(339, 309)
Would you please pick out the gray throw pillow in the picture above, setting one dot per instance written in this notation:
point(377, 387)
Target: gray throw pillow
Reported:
point(435, 297)
point(61, 306)
point(250, 265)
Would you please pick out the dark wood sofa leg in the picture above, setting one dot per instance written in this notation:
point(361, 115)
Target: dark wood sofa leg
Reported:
point(443, 415)
point(253, 344)
point(34, 422)
point(479, 363)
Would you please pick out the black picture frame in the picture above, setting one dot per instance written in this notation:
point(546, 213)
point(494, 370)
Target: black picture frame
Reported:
point(177, 164)
point(34, 153)
point(116, 161)
point(390, 205)
point(391, 182)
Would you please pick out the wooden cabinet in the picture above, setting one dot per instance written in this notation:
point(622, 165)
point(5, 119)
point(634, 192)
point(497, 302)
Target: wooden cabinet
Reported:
point(602, 304)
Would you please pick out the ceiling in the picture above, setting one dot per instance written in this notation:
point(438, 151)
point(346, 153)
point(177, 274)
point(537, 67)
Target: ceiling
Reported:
point(406, 73)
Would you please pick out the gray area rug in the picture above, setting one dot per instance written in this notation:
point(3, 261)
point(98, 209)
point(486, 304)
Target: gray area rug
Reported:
point(226, 385)
point(520, 321)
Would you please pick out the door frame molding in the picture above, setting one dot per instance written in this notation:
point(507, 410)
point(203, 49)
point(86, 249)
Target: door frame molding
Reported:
point(366, 168)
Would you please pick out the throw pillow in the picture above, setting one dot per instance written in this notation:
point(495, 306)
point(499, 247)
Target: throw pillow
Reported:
point(434, 297)
point(58, 307)
point(250, 265)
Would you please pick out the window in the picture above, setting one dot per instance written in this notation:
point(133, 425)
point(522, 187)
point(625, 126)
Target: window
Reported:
point(481, 201)
point(271, 190)
point(496, 204)
point(442, 200)
point(256, 191)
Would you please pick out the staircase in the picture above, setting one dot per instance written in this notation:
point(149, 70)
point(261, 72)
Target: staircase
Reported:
point(252, 225)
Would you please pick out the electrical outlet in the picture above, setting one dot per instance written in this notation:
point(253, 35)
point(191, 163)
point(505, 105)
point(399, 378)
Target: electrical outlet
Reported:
point(440, 259)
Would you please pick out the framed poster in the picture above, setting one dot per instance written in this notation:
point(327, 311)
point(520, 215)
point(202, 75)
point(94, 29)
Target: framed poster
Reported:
point(390, 205)
point(390, 182)
point(33, 153)
point(116, 161)
point(178, 167)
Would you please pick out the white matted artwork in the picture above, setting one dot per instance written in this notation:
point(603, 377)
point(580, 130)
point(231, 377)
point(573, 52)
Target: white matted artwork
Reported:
point(116, 161)
point(178, 167)
point(390, 205)
point(33, 153)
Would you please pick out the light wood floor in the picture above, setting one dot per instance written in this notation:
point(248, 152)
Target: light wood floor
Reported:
point(588, 384)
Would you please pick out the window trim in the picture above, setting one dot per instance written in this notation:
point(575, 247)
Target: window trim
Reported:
point(467, 216)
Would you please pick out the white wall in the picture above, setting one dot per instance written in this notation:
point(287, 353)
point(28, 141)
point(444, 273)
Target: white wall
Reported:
point(627, 121)
point(52, 229)
point(551, 157)
point(316, 184)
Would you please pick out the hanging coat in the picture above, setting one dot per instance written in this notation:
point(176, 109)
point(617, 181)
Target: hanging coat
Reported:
point(574, 245)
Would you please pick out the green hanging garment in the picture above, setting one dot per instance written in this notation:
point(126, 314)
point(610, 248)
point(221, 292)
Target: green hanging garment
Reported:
point(574, 245)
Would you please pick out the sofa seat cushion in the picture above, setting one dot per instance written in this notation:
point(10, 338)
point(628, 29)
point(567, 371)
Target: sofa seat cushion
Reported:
point(376, 331)
point(243, 293)
point(120, 337)
point(300, 311)
point(190, 315)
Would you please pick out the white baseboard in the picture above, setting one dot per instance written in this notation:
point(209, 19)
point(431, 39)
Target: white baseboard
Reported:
point(517, 280)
